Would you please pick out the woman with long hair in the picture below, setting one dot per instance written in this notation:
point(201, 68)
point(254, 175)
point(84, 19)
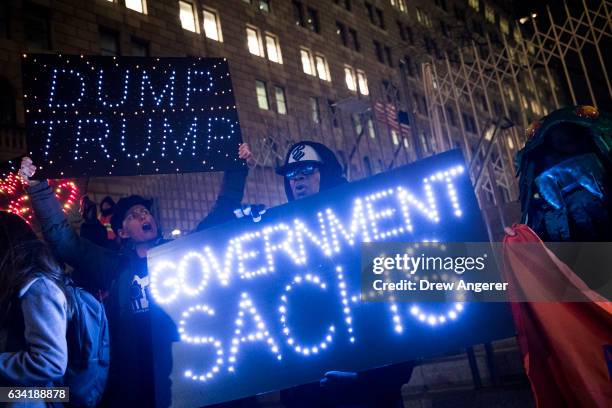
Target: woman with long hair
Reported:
point(33, 309)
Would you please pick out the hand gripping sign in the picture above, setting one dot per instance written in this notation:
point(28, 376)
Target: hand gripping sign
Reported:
point(268, 305)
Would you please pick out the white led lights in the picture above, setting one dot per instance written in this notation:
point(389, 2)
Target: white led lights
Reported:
point(283, 310)
point(167, 92)
point(201, 340)
point(258, 249)
point(258, 254)
point(52, 93)
point(241, 335)
point(136, 110)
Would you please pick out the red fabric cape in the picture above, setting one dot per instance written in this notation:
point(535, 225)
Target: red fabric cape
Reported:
point(562, 343)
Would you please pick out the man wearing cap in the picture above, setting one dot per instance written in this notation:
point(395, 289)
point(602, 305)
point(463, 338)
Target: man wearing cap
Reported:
point(133, 379)
point(311, 168)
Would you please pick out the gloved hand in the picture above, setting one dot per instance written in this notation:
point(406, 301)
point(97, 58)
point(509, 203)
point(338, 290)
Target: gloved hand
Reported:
point(336, 380)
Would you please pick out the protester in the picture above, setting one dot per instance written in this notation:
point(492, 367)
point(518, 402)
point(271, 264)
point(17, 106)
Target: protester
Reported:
point(33, 310)
point(107, 206)
point(309, 169)
point(91, 228)
point(134, 380)
point(565, 175)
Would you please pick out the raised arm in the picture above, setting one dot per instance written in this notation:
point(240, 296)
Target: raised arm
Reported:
point(230, 196)
point(97, 265)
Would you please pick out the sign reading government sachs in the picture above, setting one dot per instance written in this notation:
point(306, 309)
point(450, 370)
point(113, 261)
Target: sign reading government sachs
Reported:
point(264, 306)
point(100, 116)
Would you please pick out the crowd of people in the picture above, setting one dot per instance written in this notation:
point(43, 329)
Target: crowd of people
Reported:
point(108, 258)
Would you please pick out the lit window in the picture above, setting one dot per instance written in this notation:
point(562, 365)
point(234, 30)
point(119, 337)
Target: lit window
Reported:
point(136, 5)
point(264, 5)
point(399, 4)
point(475, 4)
point(349, 77)
point(212, 25)
point(402, 6)
point(262, 95)
point(371, 130)
point(254, 42)
point(281, 102)
point(362, 82)
point(187, 16)
point(490, 14)
point(322, 68)
point(357, 123)
point(307, 64)
point(394, 137)
point(314, 110)
point(517, 34)
point(503, 26)
point(273, 48)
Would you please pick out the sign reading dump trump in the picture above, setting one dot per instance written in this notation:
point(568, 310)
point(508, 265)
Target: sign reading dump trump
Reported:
point(100, 116)
point(262, 306)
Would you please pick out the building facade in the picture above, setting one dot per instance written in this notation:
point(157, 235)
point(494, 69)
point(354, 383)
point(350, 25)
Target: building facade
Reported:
point(352, 74)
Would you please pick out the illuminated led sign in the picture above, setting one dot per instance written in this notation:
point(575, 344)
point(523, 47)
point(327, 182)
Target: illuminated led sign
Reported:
point(99, 116)
point(268, 305)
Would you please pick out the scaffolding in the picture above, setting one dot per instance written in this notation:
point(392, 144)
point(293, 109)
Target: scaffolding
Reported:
point(479, 99)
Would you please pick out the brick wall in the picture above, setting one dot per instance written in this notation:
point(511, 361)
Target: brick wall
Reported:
point(74, 28)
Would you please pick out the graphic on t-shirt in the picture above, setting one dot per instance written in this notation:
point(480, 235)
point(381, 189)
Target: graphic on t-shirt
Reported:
point(139, 294)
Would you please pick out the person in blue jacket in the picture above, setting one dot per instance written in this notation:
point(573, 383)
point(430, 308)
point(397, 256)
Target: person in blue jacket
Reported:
point(33, 310)
point(134, 379)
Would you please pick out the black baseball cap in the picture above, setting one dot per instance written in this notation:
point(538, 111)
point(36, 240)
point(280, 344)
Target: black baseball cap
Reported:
point(123, 206)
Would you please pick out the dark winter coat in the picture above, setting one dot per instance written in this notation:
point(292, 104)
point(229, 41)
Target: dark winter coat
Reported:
point(129, 308)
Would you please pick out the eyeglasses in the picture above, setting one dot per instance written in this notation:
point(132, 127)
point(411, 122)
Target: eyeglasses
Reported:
point(305, 171)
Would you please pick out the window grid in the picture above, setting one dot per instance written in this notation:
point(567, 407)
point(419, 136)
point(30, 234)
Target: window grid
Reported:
point(188, 17)
point(254, 42)
point(262, 95)
point(136, 5)
point(315, 112)
point(307, 63)
point(362, 83)
point(322, 67)
point(212, 25)
point(281, 100)
point(273, 48)
point(349, 78)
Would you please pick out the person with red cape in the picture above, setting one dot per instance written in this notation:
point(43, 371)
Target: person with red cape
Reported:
point(564, 172)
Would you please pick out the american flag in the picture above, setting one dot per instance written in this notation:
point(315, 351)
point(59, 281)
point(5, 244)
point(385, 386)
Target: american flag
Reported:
point(387, 113)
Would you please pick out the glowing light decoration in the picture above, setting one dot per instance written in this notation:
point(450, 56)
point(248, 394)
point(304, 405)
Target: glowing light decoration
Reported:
point(201, 340)
point(288, 286)
point(300, 348)
point(14, 200)
point(100, 116)
point(243, 335)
